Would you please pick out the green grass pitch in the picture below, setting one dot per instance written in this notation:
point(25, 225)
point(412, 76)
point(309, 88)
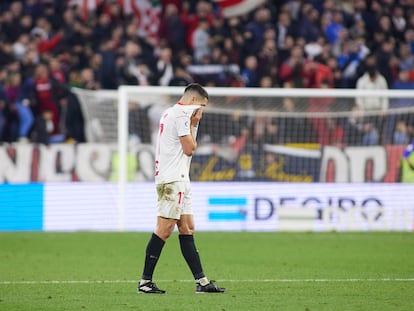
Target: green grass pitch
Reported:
point(261, 271)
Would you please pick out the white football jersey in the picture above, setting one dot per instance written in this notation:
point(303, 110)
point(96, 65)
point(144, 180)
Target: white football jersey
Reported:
point(171, 163)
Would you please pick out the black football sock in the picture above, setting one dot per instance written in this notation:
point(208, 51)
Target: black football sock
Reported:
point(190, 253)
point(153, 252)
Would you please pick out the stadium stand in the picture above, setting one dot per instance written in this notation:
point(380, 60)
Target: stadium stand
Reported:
point(47, 47)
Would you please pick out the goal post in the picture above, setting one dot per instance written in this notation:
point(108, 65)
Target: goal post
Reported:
point(125, 93)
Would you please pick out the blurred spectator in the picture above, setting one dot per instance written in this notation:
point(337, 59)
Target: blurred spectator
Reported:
point(358, 30)
point(384, 26)
point(398, 22)
point(292, 69)
point(284, 28)
point(44, 95)
point(321, 126)
point(201, 41)
point(385, 55)
point(309, 27)
point(362, 12)
point(268, 60)
point(20, 97)
point(139, 123)
point(108, 74)
point(180, 78)
point(43, 128)
point(231, 49)
point(336, 131)
point(334, 27)
point(354, 127)
point(52, 14)
point(317, 72)
point(134, 69)
point(13, 86)
point(95, 64)
point(218, 31)
point(12, 89)
point(44, 37)
point(164, 70)
point(372, 80)
point(56, 70)
point(406, 58)
point(171, 29)
point(315, 49)
point(191, 20)
point(352, 54)
point(358, 130)
point(73, 122)
point(250, 73)
point(267, 82)
point(77, 36)
point(9, 25)
point(3, 104)
point(294, 129)
point(20, 46)
point(338, 80)
point(401, 135)
point(103, 28)
point(402, 83)
point(265, 128)
point(217, 57)
point(285, 52)
point(409, 39)
point(88, 80)
point(26, 119)
point(371, 135)
point(254, 30)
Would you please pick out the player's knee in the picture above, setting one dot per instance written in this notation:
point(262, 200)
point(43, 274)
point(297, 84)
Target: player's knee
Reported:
point(185, 229)
point(163, 234)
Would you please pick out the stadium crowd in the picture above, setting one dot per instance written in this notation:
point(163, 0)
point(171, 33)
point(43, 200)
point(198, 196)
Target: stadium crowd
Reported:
point(47, 47)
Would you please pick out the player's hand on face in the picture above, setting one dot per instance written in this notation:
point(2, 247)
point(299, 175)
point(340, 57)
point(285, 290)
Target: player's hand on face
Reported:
point(196, 116)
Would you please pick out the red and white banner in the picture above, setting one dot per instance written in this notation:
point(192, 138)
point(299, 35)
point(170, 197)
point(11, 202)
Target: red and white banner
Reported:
point(147, 14)
point(232, 8)
point(88, 5)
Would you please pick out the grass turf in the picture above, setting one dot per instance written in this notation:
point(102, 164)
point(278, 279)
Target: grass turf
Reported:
point(261, 271)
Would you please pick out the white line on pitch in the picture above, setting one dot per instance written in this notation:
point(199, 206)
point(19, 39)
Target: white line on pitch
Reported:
point(224, 280)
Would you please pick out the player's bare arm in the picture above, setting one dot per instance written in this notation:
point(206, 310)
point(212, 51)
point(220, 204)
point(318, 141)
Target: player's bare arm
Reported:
point(188, 142)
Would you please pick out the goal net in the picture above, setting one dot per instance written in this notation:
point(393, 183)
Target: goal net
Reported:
point(288, 135)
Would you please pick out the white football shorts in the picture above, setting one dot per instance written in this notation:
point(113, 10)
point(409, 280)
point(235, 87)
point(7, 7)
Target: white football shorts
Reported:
point(174, 199)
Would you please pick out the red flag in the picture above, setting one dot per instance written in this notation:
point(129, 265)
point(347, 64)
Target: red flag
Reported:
point(238, 7)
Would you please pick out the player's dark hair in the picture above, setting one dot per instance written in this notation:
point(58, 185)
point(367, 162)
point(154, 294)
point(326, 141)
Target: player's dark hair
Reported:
point(195, 87)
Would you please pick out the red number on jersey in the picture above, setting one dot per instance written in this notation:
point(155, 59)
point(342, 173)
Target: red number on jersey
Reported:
point(180, 197)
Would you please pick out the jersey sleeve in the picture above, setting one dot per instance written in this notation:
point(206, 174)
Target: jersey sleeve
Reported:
point(183, 125)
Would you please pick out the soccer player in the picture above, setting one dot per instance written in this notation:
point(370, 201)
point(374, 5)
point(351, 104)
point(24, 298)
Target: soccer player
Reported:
point(176, 143)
